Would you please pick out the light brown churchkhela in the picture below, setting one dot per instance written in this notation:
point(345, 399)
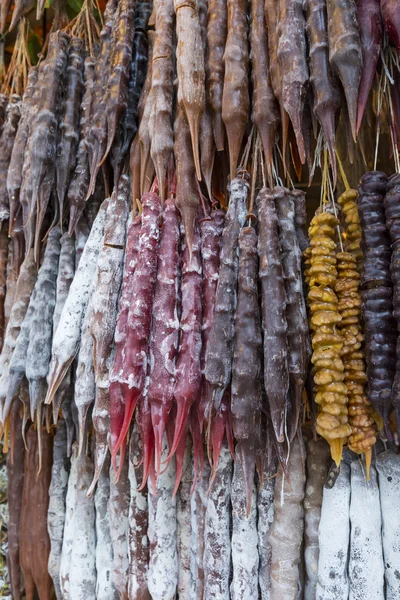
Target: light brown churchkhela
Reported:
point(190, 70)
point(265, 112)
point(293, 66)
point(345, 51)
point(235, 97)
point(159, 99)
point(216, 37)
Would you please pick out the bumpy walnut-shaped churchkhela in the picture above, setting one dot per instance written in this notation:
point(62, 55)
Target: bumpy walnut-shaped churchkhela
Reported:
point(190, 70)
point(17, 365)
point(293, 65)
point(348, 202)
point(345, 53)
point(333, 582)
point(84, 385)
point(15, 482)
point(188, 368)
point(183, 522)
point(287, 529)
point(82, 569)
point(44, 129)
point(273, 305)
point(68, 532)
point(117, 92)
point(371, 31)
point(235, 97)
point(392, 214)
point(187, 190)
point(216, 38)
point(326, 97)
point(69, 120)
point(104, 303)
point(198, 503)
point(57, 497)
point(79, 183)
point(137, 75)
point(271, 10)
point(160, 98)
point(163, 564)
point(377, 294)
point(117, 400)
point(299, 348)
point(34, 539)
point(265, 510)
point(391, 17)
point(104, 553)
point(218, 367)
point(366, 567)
point(24, 287)
point(132, 374)
point(15, 173)
point(138, 545)
point(8, 135)
point(327, 343)
point(165, 327)
point(211, 231)
point(41, 328)
point(244, 535)
point(97, 134)
point(118, 507)
point(217, 538)
point(318, 461)
point(361, 413)
point(388, 467)
point(66, 272)
point(265, 114)
point(246, 368)
point(3, 280)
point(66, 338)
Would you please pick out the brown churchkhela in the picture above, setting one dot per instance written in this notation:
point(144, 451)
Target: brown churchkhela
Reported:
point(216, 38)
point(158, 107)
point(34, 539)
point(235, 97)
point(273, 306)
point(265, 112)
point(190, 70)
point(345, 51)
point(293, 66)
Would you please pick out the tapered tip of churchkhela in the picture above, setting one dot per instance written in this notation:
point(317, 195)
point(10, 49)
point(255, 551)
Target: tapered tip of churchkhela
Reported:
point(336, 447)
point(235, 132)
point(285, 135)
point(219, 426)
point(181, 419)
point(295, 115)
point(94, 167)
point(12, 391)
point(160, 169)
point(37, 388)
point(100, 456)
point(57, 373)
point(326, 117)
point(349, 77)
point(179, 459)
point(194, 127)
point(82, 419)
point(131, 399)
point(144, 163)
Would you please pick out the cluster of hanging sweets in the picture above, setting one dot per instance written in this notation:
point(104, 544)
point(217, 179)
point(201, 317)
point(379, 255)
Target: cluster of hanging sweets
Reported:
point(158, 290)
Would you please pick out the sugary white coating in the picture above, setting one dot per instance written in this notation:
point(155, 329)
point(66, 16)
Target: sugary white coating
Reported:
point(57, 504)
point(217, 542)
point(388, 467)
point(163, 565)
point(245, 558)
point(366, 572)
point(333, 581)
